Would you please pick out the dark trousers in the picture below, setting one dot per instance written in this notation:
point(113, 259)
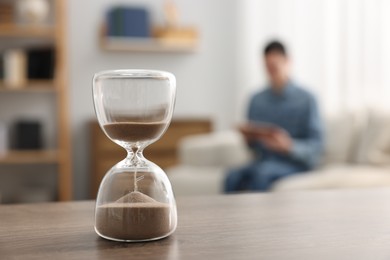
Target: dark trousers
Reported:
point(260, 175)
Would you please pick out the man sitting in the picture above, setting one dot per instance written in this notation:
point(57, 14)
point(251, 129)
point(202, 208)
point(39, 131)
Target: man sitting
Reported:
point(284, 129)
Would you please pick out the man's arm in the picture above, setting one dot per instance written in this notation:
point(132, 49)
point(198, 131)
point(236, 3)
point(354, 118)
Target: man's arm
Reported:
point(251, 140)
point(309, 149)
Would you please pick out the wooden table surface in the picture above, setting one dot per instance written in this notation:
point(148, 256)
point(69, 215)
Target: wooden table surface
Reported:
point(352, 224)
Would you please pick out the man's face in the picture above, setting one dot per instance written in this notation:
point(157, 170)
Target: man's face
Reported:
point(277, 66)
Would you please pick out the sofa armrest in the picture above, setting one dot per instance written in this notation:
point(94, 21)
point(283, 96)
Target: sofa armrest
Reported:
point(226, 149)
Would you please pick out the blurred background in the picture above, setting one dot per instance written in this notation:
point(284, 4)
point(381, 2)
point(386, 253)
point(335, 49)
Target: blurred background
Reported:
point(52, 149)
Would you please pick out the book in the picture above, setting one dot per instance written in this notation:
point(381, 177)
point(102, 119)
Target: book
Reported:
point(15, 68)
point(136, 23)
point(40, 63)
point(259, 128)
point(125, 21)
point(113, 22)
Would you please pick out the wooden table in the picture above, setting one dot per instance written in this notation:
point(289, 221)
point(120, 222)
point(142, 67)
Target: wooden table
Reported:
point(353, 224)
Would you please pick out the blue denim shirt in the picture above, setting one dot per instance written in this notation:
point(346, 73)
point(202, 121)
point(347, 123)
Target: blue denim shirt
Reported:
point(295, 110)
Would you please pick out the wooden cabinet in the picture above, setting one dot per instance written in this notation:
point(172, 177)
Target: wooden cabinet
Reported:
point(164, 152)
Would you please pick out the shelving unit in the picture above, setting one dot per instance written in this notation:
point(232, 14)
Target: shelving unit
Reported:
point(145, 45)
point(61, 154)
point(153, 45)
point(37, 86)
point(30, 157)
point(13, 30)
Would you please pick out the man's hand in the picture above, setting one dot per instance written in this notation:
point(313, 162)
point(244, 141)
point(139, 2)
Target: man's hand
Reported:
point(278, 141)
point(274, 138)
point(249, 132)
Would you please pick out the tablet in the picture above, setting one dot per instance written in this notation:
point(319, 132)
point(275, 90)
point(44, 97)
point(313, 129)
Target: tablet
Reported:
point(259, 128)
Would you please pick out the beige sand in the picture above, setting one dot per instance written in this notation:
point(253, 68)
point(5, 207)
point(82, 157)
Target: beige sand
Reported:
point(135, 216)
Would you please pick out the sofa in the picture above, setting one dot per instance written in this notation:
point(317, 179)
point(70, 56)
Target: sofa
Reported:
point(356, 155)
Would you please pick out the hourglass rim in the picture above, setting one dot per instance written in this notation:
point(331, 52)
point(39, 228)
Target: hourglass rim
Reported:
point(135, 73)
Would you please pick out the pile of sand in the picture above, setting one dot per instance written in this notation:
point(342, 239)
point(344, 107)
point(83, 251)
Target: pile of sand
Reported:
point(134, 216)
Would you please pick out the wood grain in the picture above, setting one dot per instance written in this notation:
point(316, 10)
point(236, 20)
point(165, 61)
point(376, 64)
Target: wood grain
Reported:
point(37, 86)
point(13, 30)
point(29, 157)
point(65, 185)
point(352, 224)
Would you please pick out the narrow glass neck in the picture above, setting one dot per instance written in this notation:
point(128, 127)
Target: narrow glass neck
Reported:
point(134, 156)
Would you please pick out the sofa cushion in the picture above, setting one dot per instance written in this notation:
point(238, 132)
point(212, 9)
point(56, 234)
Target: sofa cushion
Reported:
point(218, 149)
point(374, 147)
point(342, 135)
point(332, 177)
point(190, 180)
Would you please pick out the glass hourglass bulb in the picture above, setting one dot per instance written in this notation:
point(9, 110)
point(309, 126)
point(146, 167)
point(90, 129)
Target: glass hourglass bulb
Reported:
point(135, 201)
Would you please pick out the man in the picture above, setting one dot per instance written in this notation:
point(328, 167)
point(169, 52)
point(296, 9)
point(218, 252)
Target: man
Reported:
point(284, 129)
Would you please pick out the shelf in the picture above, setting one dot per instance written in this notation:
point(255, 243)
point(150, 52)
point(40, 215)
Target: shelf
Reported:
point(30, 157)
point(54, 92)
point(29, 31)
point(146, 45)
point(32, 86)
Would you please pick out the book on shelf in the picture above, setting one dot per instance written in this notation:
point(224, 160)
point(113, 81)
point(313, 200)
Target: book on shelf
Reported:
point(27, 135)
point(18, 66)
point(15, 68)
point(40, 63)
point(123, 21)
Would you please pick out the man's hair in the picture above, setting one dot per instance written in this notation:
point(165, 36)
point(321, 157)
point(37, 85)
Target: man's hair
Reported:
point(275, 46)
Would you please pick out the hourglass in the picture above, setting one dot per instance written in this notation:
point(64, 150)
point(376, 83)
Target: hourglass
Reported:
point(135, 201)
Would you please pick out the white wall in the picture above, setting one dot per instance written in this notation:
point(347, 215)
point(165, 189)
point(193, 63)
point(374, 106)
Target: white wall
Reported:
point(206, 79)
point(339, 49)
point(297, 23)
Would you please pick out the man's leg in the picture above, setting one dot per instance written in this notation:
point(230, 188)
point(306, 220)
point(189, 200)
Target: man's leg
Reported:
point(267, 172)
point(237, 179)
